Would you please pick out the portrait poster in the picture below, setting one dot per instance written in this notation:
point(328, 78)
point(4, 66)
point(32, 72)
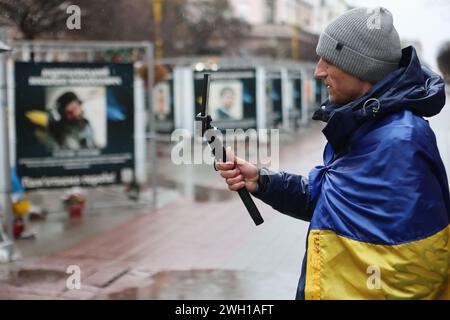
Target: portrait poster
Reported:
point(274, 98)
point(232, 97)
point(163, 105)
point(74, 123)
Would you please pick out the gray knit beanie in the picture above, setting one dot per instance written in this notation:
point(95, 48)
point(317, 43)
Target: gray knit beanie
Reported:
point(362, 42)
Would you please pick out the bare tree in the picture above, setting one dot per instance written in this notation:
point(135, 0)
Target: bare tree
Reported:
point(187, 27)
point(117, 20)
point(100, 19)
point(213, 28)
point(33, 18)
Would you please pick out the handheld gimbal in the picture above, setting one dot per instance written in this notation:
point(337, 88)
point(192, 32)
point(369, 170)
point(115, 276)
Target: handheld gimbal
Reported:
point(208, 132)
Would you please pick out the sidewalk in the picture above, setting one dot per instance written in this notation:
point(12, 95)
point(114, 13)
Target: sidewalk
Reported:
point(188, 249)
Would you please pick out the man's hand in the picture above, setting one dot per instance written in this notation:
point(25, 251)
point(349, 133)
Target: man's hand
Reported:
point(238, 173)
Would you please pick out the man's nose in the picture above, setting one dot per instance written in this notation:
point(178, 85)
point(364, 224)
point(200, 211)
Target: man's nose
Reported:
point(320, 71)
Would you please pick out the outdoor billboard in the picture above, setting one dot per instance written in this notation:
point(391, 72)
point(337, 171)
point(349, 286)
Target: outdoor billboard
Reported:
point(232, 97)
point(74, 123)
point(295, 94)
point(274, 98)
point(163, 105)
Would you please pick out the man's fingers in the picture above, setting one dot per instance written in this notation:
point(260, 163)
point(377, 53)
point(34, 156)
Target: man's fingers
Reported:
point(230, 173)
point(237, 186)
point(232, 181)
point(224, 166)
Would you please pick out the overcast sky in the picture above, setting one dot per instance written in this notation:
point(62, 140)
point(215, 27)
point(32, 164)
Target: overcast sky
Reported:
point(427, 21)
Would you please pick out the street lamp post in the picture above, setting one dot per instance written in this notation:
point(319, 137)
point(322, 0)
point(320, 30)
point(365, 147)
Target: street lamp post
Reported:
point(6, 241)
point(158, 17)
point(294, 43)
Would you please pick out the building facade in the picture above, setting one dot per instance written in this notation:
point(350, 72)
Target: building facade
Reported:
point(286, 28)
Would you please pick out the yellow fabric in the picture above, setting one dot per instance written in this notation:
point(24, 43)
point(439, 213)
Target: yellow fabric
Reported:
point(39, 118)
point(21, 207)
point(342, 268)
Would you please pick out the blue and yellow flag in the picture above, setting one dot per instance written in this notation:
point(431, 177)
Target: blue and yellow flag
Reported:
point(380, 228)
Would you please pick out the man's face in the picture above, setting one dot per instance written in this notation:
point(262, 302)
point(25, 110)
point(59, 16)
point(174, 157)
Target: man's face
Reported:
point(73, 111)
point(342, 87)
point(227, 98)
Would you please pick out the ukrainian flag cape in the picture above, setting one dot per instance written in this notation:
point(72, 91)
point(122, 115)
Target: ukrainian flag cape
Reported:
point(380, 228)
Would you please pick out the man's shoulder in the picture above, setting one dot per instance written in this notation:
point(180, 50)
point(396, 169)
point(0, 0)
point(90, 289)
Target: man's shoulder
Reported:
point(402, 126)
point(401, 133)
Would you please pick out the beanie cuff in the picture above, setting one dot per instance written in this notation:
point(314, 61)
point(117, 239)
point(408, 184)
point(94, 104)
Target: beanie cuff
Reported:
point(353, 62)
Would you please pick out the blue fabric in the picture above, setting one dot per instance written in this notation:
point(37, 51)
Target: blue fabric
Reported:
point(389, 186)
point(15, 182)
point(286, 193)
point(383, 180)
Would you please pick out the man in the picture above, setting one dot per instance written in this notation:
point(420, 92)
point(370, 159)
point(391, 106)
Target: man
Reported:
point(223, 112)
point(379, 207)
point(73, 131)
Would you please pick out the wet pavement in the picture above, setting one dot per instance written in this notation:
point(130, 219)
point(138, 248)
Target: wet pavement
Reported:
point(177, 243)
point(209, 284)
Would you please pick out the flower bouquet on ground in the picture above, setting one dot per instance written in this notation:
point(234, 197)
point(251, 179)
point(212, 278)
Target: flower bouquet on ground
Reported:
point(75, 202)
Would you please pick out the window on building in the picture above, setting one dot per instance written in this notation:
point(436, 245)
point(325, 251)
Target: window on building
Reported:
point(243, 9)
point(270, 11)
